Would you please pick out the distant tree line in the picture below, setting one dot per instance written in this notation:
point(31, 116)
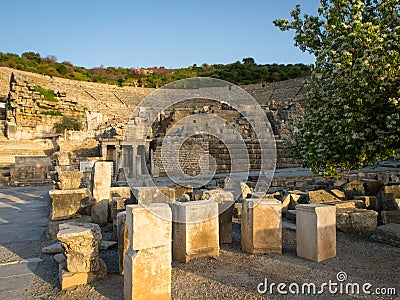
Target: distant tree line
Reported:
point(245, 72)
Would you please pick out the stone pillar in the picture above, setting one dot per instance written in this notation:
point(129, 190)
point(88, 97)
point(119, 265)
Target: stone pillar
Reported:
point(123, 239)
point(81, 242)
point(261, 226)
point(147, 263)
point(316, 231)
point(101, 184)
point(195, 230)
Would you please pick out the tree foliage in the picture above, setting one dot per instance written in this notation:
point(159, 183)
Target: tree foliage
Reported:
point(67, 123)
point(246, 72)
point(352, 117)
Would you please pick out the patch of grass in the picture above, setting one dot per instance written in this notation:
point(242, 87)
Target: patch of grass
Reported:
point(48, 94)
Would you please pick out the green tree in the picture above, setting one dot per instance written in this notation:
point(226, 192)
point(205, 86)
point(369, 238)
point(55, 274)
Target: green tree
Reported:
point(352, 117)
point(67, 123)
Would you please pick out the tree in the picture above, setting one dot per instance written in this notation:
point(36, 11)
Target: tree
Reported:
point(352, 117)
point(67, 123)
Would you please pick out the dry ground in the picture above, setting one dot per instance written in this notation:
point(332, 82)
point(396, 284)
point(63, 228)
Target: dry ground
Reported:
point(235, 275)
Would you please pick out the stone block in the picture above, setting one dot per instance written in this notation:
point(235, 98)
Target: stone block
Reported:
point(338, 194)
point(150, 223)
point(316, 231)
point(81, 242)
point(53, 249)
point(371, 202)
point(226, 211)
point(115, 206)
point(53, 226)
point(372, 187)
point(123, 239)
point(356, 220)
point(195, 230)
point(149, 195)
point(67, 203)
point(101, 185)
point(354, 188)
point(390, 216)
point(262, 226)
point(321, 196)
point(350, 204)
point(120, 191)
point(70, 180)
point(226, 203)
point(147, 273)
point(73, 279)
point(147, 263)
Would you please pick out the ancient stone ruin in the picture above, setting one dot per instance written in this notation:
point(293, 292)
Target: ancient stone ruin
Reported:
point(102, 196)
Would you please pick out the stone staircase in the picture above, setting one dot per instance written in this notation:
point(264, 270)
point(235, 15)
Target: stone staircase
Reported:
point(9, 149)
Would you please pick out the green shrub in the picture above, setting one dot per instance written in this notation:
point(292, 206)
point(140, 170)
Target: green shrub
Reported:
point(67, 123)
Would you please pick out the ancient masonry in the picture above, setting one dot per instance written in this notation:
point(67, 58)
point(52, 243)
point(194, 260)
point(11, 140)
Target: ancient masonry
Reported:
point(30, 115)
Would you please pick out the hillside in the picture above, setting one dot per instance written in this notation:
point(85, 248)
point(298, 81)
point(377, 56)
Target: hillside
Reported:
point(242, 72)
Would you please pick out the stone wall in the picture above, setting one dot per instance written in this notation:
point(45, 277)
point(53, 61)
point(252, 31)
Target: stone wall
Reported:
point(29, 115)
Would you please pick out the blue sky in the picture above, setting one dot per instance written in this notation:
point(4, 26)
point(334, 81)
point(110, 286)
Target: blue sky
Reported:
point(144, 33)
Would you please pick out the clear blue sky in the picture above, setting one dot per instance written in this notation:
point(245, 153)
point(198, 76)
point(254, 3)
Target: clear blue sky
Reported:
point(144, 33)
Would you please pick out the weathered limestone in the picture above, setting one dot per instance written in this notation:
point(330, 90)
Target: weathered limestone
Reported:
point(73, 279)
point(115, 206)
point(69, 180)
point(149, 195)
point(321, 196)
point(101, 184)
point(195, 230)
point(350, 204)
point(226, 209)
point(81, 242)
point(371, 202)
point(372, 187)
point(67, 203)
point(123, 239)
point(53, 226)
point(147, 264)
point(354, 188)
point(262, 226)
point(316, 231)
point(338, 194)
point(356, 220)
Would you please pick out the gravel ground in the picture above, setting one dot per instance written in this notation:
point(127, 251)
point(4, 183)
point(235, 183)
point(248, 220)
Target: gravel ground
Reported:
point(235, 275)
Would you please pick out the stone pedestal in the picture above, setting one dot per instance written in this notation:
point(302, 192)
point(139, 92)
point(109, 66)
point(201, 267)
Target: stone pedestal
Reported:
point(261, 226)
point(81, 242)
point(147, 263)
point(316, 231)
point(195, 230)
point(67, 203)
point(101, 184)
